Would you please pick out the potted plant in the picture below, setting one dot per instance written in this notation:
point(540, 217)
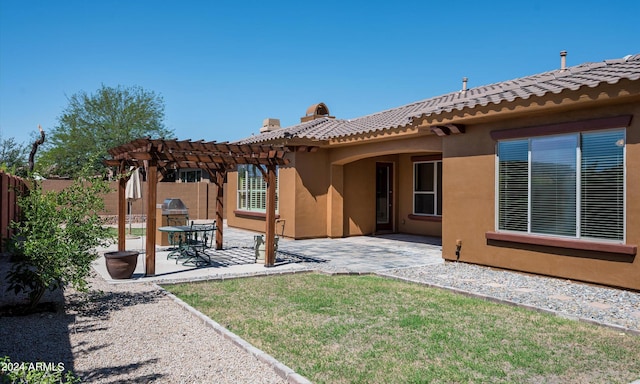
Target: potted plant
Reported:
point(121, 264)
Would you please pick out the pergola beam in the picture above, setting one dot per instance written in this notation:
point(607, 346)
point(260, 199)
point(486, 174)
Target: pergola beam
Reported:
point(158, 156)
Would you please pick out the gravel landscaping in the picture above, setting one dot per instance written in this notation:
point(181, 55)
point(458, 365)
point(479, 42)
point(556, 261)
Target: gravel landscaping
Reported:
point(603, 305)
point(129, 333)
point(135, 332)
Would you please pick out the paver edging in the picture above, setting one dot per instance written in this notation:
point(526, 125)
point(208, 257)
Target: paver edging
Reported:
point(513, 303)
point(202, 279)
point(281, 369)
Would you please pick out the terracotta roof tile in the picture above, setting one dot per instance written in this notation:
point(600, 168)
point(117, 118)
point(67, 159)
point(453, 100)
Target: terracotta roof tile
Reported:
point(572, 78)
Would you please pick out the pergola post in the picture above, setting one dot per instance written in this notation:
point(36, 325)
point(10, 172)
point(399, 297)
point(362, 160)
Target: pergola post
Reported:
point(269, 257)
point(219, 208)
point(122, 211)
point(160, 155)
point(152, 191)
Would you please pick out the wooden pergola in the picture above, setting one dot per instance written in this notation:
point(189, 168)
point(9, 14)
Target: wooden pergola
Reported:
point(158, 157)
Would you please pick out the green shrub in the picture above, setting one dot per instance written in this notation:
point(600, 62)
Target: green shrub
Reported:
point(57, 237)
point(23, 373)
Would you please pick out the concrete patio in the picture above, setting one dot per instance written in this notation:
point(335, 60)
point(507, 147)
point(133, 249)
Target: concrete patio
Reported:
point(399, 256)
point(362, 254)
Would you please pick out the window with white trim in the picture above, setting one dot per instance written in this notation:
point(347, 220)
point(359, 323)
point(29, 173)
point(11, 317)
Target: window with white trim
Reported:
point(427, 188)
point(252, 189)
point(190, 175)
point(570, 185)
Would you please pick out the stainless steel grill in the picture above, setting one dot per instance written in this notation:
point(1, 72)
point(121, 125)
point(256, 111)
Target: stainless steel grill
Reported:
point(174, 207)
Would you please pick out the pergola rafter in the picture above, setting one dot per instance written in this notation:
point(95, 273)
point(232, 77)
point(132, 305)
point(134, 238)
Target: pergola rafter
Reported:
point(159, 156)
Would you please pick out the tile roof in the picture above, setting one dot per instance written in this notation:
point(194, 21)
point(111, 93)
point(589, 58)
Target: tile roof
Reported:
point(572, 78)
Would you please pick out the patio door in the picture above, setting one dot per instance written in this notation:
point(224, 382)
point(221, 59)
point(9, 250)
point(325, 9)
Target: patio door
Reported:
point(384, 196)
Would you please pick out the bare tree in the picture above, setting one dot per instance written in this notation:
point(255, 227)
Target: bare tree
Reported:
point(34, 149)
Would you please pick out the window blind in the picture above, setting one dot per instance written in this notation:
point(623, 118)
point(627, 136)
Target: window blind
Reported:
point(252, 189)
point(553, 185)
point(565, 185)
point(602, 185)
point(513, 185)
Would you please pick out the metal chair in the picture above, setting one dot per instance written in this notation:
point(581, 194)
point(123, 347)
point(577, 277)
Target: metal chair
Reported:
point(204, 235)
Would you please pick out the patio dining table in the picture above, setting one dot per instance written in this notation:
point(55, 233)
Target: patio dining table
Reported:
point(190, 241)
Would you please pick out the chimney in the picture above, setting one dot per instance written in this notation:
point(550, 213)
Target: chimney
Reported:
point(316, 111)
point(464, 84)
point(563, 60)
point(269, 125)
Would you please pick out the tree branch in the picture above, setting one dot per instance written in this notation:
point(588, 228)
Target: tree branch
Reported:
point(34, 148)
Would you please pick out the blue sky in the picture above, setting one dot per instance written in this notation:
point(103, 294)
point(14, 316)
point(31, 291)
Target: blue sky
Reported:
point(224, 66)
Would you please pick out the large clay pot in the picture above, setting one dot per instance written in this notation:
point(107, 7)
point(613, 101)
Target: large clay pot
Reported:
point(121, 264)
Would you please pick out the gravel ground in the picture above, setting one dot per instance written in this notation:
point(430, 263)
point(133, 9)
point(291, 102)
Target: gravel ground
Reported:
point(135, 333)
point(129, 333)
point(599, 304)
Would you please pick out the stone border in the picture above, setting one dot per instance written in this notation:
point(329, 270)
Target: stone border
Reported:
point(221, 277)
point(280, 369)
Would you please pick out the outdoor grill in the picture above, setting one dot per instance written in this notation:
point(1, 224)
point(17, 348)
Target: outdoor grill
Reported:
point(174, 207)
point(171, 212)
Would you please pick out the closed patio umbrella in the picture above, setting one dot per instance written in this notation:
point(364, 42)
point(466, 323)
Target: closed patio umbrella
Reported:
point(133, 191)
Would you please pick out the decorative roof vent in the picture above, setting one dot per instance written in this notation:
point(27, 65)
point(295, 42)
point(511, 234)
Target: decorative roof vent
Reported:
point(316, 111)
point(269, 125)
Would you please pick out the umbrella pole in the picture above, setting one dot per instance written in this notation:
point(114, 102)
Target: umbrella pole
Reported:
point(129, 217)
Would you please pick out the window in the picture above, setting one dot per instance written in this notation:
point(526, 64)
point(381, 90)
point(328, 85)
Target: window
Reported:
point(190, 176)
point(568, 185)
point(427, 188)
point(252, 189)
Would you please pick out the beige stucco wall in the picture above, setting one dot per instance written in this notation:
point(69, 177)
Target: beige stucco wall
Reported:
point(359, 197)
point(331, 192)
point(359, 183)
point(469, 207)
point(310, 189)
point(405, 224)
point(200, 198)
point(255, 221)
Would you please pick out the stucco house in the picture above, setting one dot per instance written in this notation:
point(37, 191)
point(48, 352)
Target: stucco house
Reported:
point(538, 174)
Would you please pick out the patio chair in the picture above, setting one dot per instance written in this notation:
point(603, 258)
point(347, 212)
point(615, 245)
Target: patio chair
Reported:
point(259, 242)
point(204, 237)
point(177, 240)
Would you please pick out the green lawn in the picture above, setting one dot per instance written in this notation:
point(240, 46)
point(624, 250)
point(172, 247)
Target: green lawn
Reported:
point(134, 231)
point(367, 329)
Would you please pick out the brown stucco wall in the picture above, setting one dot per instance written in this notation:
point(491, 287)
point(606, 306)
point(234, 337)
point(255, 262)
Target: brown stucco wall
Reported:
point(469, 207)
point(404, 177)
point(233, 219)
point(359, 197)
point(200, 198)
point(310, 201)
point(311, 206)
point(256, 222)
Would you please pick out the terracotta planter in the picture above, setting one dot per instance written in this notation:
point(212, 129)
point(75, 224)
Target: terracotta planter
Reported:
point(121, 264)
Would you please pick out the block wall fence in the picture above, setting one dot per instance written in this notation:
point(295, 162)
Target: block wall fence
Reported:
point(200, 198)
point(10, 188)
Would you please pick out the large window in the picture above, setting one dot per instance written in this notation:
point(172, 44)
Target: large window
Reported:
point(563, 185)
point(190, 175)
point(427, 188)
point(252, 189)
